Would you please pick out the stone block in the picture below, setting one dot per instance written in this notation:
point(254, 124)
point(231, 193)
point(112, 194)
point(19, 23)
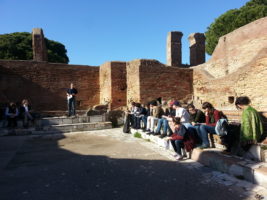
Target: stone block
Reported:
point(96, 118)
point(260, 176)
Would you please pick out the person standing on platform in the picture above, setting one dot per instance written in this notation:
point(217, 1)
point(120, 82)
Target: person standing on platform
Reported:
point(71, 99)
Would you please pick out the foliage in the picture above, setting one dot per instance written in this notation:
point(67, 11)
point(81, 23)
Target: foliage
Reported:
point(18, 46)
point(232, 20)
point(137, 135)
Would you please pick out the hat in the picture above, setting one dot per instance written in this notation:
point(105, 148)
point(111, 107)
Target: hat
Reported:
point(176, 103)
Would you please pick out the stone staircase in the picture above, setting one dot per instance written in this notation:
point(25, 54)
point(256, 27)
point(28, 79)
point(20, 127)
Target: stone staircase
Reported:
point(52, 125)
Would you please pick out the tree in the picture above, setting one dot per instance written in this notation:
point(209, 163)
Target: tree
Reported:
point(18, 46)
point(233, 19)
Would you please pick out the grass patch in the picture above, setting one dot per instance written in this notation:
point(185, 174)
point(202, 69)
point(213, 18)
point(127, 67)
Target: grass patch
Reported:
point(137, 135)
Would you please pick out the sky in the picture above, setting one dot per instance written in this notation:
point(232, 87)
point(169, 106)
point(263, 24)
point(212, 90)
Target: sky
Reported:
point(97, 31)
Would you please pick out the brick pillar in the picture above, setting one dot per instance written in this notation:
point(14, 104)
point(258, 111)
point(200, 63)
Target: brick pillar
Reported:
point(38, 45)
point(174, 48)
point(197, 48)
point(113, 87)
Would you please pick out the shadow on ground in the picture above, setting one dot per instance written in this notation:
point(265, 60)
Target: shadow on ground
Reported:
point(97, 167)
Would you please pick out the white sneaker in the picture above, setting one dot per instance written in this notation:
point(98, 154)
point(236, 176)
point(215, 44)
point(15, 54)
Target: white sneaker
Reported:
point(179, 157)
point(175, 155)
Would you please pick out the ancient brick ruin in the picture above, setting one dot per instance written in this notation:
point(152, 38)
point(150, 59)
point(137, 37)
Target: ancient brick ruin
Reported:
point(238, 67)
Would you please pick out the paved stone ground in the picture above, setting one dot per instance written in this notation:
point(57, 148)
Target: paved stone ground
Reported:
point(107, 164)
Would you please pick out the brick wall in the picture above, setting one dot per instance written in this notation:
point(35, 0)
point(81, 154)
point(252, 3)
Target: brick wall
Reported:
point(238, 67)
point(113, 84)
point(149, 79)
point(250, 81)
point(238, 48)
point(45, 83)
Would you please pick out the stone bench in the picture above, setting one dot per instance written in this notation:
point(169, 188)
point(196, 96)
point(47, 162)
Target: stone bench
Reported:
point(259, 150)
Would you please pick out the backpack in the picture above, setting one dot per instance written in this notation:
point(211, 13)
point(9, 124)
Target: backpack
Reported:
point(221, 127)
point(126, 126)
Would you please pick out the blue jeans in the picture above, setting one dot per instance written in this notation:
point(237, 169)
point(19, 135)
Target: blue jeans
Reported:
point(196, 128)
point(144, 119)
point(177, 146)
point(165, 124)
point(72, 106)
point(204, 130)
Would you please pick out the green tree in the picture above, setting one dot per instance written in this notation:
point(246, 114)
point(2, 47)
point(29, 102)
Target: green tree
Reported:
point(18, 46)
point(232, 20)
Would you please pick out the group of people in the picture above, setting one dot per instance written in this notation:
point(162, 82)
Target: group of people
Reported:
point(178, 125)
point(13, 112)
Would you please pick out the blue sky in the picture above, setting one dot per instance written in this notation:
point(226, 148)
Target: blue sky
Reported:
point(96, 31)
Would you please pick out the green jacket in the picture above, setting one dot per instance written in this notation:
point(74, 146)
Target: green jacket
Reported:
point(251, 125)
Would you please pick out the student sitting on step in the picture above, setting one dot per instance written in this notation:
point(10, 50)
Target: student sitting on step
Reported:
point(155, 114)
point(177, 137)
point(211, 117)
point(168, 115)
point(26, 112)
point(12, 114)
point(251, 125)
point(137, 116)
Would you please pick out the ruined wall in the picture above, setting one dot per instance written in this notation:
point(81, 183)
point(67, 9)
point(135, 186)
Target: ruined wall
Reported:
point(237, 67)
point(105, 83)
point(113, 84)
point(45, 83)
point(238, 48)
point(149, 79)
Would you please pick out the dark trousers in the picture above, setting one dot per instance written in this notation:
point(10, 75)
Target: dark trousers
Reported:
point(12, 121)
point(177, 146)
point(72, 106)
point(137, 121)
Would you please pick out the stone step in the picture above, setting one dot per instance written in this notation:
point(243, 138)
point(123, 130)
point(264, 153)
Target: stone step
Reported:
point(39, 123)
point(63, 128)
point(254, 172)
point(70, 120)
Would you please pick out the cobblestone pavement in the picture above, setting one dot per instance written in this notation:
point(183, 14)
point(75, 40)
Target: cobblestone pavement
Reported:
point(108, 164)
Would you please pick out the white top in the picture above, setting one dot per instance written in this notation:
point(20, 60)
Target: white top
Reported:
point(26, 108)
point(183, 114)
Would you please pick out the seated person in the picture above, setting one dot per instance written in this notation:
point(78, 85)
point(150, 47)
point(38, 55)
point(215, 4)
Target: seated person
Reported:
point(11, 114)
point(182, 113)
point(197, 117)
point(251, 125)
point(131, 113)
point(177, 137)
point(168, 115)
point(212, 116)
point(137, 116)
point(144, 115)
point(155, 114)
point(25, 112)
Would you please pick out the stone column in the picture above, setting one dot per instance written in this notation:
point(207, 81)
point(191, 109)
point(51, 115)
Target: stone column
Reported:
point(197, 48)
point(38, 45)
point(174, 48)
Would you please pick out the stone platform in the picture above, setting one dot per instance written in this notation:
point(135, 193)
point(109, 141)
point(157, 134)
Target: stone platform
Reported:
point(64, 124)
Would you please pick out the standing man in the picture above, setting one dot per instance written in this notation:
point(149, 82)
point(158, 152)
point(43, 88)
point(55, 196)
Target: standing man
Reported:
point(71, 98)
